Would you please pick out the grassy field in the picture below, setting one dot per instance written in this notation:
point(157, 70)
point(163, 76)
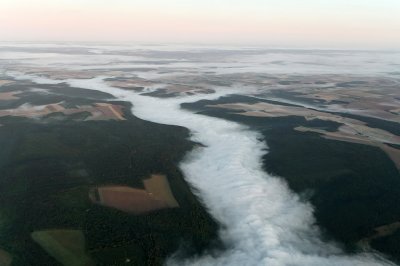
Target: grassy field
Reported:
point(66, 246)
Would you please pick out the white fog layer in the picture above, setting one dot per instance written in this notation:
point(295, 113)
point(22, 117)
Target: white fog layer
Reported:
point(264, 223)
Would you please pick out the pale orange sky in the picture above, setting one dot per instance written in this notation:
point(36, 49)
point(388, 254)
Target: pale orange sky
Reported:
point(311, 23)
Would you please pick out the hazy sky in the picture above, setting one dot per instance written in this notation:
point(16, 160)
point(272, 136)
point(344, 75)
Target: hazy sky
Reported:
point(309, 23)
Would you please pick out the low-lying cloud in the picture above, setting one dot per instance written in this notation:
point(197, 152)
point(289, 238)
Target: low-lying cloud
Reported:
point(264, 222)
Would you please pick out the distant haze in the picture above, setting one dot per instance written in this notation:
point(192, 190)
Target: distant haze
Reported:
point(369, 24)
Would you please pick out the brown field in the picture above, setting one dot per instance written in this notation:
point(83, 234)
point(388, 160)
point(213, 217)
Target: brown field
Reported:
point(366, 137)
point(66, 246)
point(5, 258)
point(169, 86)
point(62, 74)
point(5, 82)
point(158, 185)
point(5, 96)
point(128, 199)
point(362, 133)
point(156, 195)
point(133, 83)
point(101, 111)
point(111, 111)
point(186, 89)
point(273, 110)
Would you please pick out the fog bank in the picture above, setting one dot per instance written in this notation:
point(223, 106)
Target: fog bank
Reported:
point(263, 222)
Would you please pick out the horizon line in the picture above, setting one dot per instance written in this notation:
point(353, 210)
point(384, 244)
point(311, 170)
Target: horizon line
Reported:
point(212, 44)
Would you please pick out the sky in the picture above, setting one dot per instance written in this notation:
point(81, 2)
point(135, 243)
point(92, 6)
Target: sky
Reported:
point(282, 23)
